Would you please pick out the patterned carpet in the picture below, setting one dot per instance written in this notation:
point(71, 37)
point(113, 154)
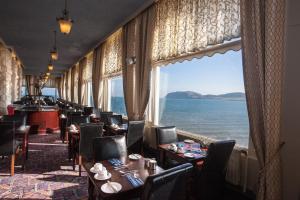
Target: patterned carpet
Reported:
point(48, 173)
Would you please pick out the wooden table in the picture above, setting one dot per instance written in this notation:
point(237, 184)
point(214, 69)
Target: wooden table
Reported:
point(127, 191)
point(166, 152)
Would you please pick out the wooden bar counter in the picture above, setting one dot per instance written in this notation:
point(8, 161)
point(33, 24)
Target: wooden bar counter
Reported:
point(45, 119)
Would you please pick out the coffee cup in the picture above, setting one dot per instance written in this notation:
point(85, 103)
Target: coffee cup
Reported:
point(98, 167)
point(103, 173)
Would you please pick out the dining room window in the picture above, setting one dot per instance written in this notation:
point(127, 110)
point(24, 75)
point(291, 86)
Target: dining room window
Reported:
point(206, 96)
point(117, 96)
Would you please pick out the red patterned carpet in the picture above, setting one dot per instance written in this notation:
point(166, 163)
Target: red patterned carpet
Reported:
point(48, 173)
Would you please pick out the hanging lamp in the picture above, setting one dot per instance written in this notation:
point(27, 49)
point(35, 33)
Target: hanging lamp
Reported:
point(53, 53)
point(65, 22)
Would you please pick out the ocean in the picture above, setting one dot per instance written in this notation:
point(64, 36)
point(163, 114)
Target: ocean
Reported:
point(220, 119)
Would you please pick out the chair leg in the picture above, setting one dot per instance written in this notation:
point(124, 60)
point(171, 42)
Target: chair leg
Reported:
point(12, 165)
point(74, 161)
point(79, 164)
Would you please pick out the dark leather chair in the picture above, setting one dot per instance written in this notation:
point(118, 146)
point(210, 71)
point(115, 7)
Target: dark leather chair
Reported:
point(97, 111)
point(63, 128)
point(9, 146)
point(115, 119)
point(109, 147)
point(210, 178)
point(19, 119)
point(76, 120)
point(88, 132)
point(104, 117)
point(167, 135)
point(168, 185)
point(87, 110)
point(134, 136)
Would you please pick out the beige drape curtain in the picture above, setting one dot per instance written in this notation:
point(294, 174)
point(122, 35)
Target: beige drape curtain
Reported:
point(81, 88)
point(97, 76)
point(66, 85)
point(72, 83)
point(104, 97)
point(58, 85)
point(263, 25)
point(28, 84)
point(76, 83)
point(185, 27)
point(137, 43)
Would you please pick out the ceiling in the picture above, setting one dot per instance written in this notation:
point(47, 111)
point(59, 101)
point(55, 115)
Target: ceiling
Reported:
point(28, 27)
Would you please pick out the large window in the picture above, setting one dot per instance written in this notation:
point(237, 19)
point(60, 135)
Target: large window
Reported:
point(206, 96)
point(117, 96)
point(50, 92)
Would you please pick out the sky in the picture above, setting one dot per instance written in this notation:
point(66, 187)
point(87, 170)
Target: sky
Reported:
point(219, 74)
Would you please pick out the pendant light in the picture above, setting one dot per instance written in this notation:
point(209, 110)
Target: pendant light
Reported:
point(65, 22)
point(50, 66)
point(53, 53)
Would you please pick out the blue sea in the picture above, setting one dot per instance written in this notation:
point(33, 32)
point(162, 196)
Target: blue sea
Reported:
point(220, 119)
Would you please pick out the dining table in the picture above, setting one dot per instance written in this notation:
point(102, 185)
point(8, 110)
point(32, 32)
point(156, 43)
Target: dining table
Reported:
point(128, 190)
point(191, 152)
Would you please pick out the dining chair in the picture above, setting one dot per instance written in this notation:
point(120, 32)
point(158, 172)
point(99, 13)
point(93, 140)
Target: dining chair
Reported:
point(19, 119)
point(63, 128)
point(109, 147)
point(88, 132)
point(87, 110)
point(104, 117)
point(9, 146)
point(166, 135)
point(76, 120)
point(172, 184)
point(115, 119)
point(134, 136)
point(210, 177)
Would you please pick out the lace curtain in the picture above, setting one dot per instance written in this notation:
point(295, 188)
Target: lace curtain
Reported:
point(185, 27)
point(112, 54)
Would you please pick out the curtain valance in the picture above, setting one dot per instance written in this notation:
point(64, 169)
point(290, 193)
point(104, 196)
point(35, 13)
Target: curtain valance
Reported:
point(112, 54)
point(185, 27)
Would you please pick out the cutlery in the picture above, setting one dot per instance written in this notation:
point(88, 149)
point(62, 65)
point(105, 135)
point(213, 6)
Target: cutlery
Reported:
point(112, 186)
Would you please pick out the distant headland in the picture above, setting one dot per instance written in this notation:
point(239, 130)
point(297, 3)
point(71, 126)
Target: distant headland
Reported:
point(195, 95)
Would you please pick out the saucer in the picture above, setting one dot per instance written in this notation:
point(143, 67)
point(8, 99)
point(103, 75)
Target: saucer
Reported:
point(189, 141)
point(106, 188)
point(188, 155)
point(134, 156)
point(97, 177)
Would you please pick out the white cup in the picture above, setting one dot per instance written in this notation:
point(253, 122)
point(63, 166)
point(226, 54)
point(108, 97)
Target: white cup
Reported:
point(103, 173)
point(98, 167)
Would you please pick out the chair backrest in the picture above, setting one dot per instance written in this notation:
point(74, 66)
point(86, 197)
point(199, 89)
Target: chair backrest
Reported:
point(109, 147)
point(166, 135)
point(134, 137)
point(211, 178)
point(76, 119)
point(115, 119)
point(19, 119)
point(87, 110)
point(168, 185)
point(104, 117)
point(88, 132)
point(7, 138)
point(97, 111)
point(63, 126)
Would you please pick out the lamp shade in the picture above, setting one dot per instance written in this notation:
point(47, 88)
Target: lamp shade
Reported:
point(65, 25)
point(54, 55)
point(50, 67)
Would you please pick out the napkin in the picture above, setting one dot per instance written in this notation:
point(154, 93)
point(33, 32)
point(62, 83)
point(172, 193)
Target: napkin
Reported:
point(115, 162)
point(135, 182)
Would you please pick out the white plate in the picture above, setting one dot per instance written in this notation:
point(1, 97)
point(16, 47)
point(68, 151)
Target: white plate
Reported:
point(134, 156)
point(189, 141)
point(106, 188)
point(189, 155)
point(96, 176)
